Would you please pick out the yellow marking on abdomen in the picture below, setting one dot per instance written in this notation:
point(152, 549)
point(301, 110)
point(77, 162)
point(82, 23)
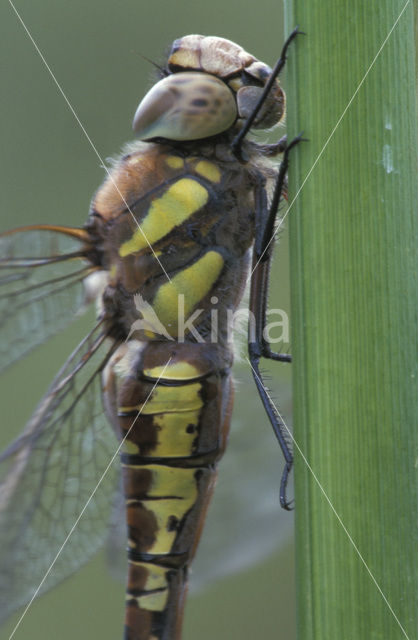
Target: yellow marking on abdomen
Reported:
point(194, 283)
point(129, 447)
point(153, 601)
point(177, 433)
point(170, 400)
point(208, 170)
point(176, 371)
point(167, 481)
point(179, 202)
point(156, 579)
point(157, 576)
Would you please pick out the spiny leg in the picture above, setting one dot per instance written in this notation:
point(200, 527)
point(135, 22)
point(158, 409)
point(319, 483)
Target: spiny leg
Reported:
point(258, 346)
point(262, 255)
point(275, 148)
point(265, 219)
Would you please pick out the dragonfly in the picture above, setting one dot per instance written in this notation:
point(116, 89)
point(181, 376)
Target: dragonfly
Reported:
point(134, 424)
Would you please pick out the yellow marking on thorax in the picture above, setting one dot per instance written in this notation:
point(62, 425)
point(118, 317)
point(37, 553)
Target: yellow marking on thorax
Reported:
point(208, 170)
point(176, 371)
point(170, 399)
point(174, 162)
point(179, 202)
point(194, 283)
point(235, 84)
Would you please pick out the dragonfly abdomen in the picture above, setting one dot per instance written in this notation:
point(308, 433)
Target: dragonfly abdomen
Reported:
point(174, 405)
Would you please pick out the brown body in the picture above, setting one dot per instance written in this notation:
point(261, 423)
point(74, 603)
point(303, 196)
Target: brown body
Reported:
point(165, 253)
point(167, 494)
point(175, 420)
point(223, 223)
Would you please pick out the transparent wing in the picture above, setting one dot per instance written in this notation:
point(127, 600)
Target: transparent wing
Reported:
point(42, 273)
point(48, 476)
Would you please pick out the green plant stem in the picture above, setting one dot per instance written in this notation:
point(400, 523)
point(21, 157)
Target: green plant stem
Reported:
point(354, 317)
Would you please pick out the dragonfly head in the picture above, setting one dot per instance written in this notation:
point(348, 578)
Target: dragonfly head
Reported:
point(212, 86)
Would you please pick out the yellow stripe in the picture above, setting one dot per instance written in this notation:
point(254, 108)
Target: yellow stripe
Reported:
point(168, 481)
point(156, 579)
point(157, 576)
point(170, 399)
point(177, 433)
point(194, 283)
point(208, 170)
point(153, 601)
point(179, 202)
point(176, 371)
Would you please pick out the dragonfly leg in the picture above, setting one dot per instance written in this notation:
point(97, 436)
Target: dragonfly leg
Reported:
point(275, 148)
point(278, 425)
point(237, 142)
point(262, 256)
point(258, 346)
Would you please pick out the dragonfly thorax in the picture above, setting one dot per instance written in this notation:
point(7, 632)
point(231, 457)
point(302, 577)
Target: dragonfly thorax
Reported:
point(175, 228)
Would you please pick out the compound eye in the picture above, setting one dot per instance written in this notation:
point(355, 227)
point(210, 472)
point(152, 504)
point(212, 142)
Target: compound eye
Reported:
point(185, 106)
point(272, 109)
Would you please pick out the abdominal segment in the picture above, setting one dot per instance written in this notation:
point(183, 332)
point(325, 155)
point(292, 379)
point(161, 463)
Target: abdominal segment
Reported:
point(173, 409)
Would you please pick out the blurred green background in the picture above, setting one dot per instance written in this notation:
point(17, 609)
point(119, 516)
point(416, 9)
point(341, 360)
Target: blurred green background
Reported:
point(49, 173)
